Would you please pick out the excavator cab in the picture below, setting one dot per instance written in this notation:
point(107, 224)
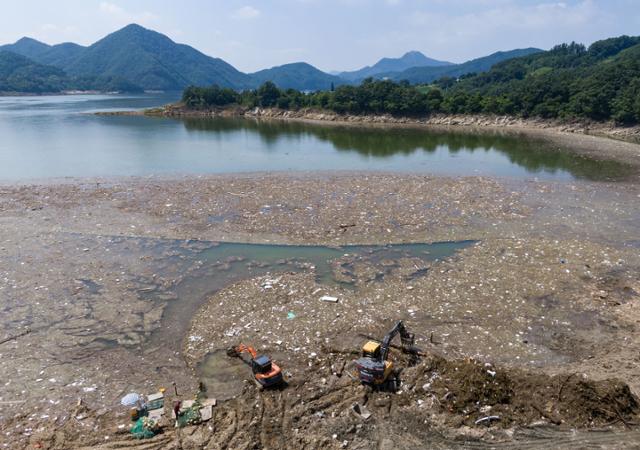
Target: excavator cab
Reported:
point(267, 374)
point(261, 364)
point(371, 350)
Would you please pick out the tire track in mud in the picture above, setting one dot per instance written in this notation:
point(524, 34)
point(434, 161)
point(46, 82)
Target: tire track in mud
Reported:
point(543, 437)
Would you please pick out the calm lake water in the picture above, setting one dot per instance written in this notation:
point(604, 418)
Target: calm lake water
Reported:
point(55, 136)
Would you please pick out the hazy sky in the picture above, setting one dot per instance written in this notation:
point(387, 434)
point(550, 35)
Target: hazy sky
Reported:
point(330, 34)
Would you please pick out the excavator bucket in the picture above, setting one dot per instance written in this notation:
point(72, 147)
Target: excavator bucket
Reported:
point(232, 352)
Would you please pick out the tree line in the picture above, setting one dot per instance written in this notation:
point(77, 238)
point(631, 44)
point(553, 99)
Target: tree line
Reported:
point(570, 81)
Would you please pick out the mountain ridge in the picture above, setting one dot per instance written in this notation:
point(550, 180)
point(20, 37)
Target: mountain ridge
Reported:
point(429, 74)
point(299, 75)
point(410, 59)
point(137, 56)
point(154, 61)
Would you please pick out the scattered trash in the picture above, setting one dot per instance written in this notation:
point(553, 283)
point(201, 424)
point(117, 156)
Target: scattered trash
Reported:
point(155, 401)
point(360, 411)
point(291, 315)
point(328, 298)
point(131, 399)
point(188, 413)
point(193, 412)
point(487, 419)
point(145, 428)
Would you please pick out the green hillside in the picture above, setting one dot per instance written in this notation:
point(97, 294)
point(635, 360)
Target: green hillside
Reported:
point(300, 76)
point(388, 65)
point(154, 61)
point(20, 74)
point(27, 47)
point(569, 82)
point(59, 55)
point(422, 75)
point(600, 82)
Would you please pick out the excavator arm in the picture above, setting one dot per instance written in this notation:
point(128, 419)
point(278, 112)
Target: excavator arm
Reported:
point(238, 350)
point(407, 339)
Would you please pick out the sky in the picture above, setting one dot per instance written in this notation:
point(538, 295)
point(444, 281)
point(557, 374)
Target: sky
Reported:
point(330, 34)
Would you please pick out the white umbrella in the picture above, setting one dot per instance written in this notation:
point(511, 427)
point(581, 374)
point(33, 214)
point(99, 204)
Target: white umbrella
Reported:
point(131, 399)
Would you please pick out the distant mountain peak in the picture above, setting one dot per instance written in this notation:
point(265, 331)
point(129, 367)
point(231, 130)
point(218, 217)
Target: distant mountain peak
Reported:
point(298, 75)
point(138, 31)
point(412, 58)
point(134, 26)
point(28, 40)
point(413, 53)
point(154, 61)
point(427, 74)
point(28, 47)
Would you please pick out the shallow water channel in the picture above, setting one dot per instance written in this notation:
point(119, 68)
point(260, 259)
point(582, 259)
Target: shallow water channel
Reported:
point(228, 262)
point(209, 267)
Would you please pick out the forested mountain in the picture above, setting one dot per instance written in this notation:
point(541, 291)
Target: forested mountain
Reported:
point(60, 55)
point(421, 75)
point(600, 82)
point(154, 61)
point(139, 56)
point(55, 55)
point(386, 65)
point(570, 81)
point(300, 76)
point(28, 47)
point(20, 74)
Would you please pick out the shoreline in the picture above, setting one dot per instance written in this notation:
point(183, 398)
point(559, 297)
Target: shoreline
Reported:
point(64, 93)
point(599, 141)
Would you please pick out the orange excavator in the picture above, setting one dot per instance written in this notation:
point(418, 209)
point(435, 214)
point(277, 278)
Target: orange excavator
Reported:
point(266, 372)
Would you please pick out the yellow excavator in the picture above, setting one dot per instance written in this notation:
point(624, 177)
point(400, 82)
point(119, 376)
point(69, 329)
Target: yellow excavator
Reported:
point(374, 368)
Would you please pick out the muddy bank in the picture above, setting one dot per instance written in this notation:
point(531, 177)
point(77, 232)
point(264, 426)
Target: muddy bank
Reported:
point(551, 289)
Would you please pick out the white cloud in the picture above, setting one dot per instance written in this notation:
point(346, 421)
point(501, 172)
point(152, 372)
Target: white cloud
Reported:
point(53, 33)
point(120, 15)
point(245, 13)
point(53, 28)
point(110, 8)
point(502, 25)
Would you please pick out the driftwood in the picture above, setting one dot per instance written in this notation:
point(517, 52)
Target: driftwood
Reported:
point(16, 336)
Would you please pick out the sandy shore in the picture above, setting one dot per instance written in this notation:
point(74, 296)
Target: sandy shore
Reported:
point(90, 267)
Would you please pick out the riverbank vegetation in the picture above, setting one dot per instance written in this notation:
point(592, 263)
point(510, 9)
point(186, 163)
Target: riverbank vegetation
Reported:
point(570, 81)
